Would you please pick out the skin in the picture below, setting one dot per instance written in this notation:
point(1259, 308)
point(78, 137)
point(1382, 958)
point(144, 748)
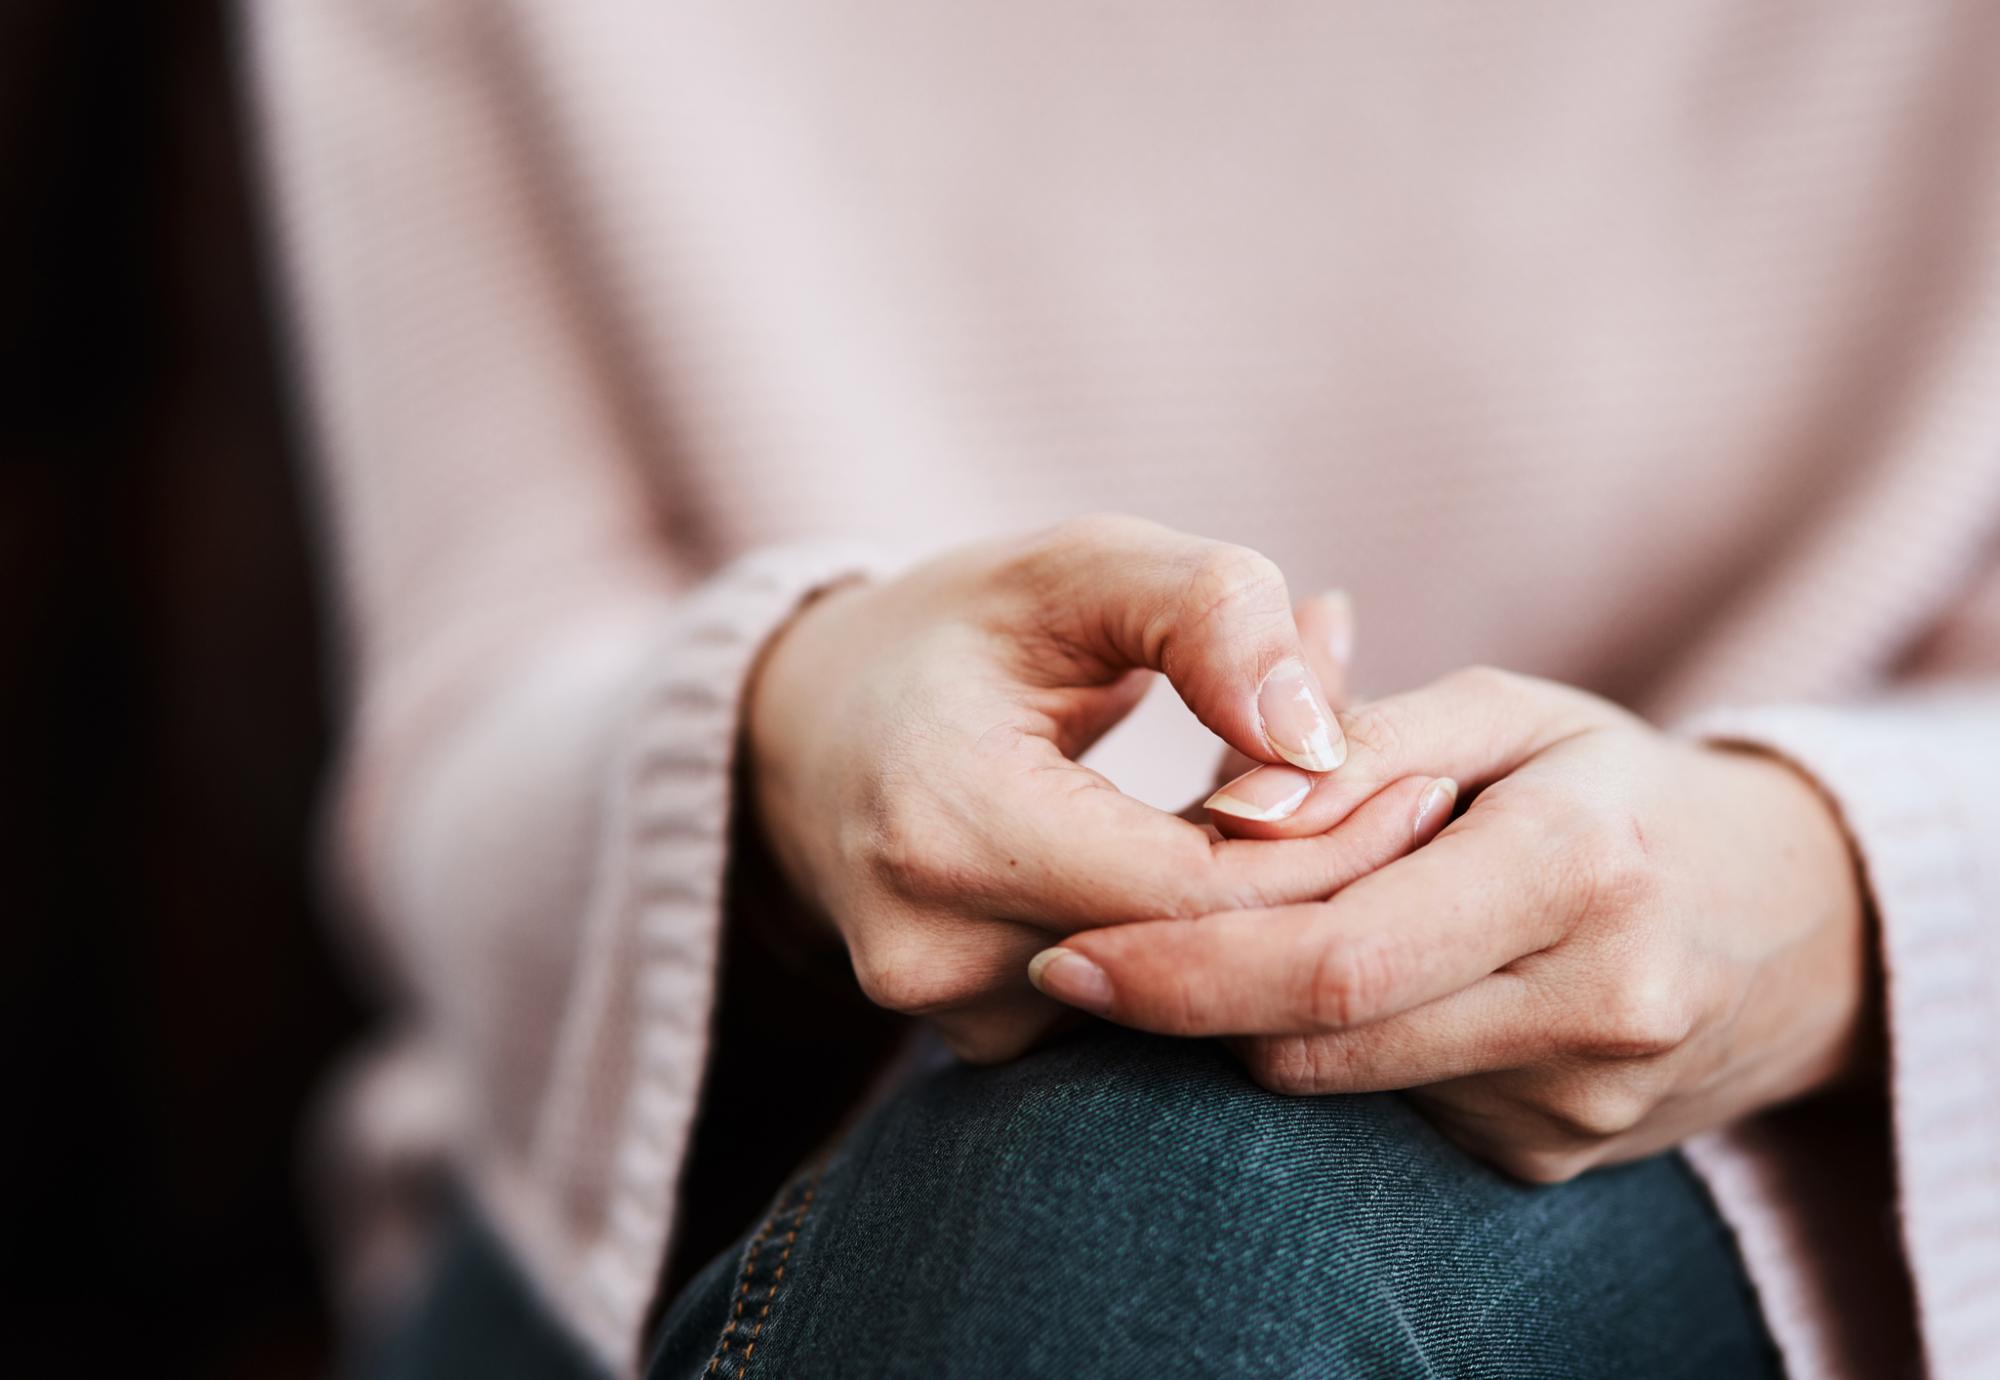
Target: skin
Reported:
point(1623, 940)
point(913, 753)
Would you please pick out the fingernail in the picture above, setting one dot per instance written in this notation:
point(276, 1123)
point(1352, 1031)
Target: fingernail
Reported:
point(1262, 793)
point(1069, 977)
point(1433, 809)
point(1297, 722)
point(1340, 627)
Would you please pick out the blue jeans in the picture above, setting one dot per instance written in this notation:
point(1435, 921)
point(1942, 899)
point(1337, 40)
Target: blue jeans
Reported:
point(1118, 1205)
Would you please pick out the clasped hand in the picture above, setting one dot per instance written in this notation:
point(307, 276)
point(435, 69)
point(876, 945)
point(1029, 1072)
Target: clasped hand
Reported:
point(1623, 939)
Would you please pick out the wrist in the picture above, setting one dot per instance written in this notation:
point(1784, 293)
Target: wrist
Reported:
point(772, 702)
point(1822, 980)
point(786, 701)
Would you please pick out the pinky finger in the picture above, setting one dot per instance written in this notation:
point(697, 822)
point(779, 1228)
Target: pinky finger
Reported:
point(1002, 1026)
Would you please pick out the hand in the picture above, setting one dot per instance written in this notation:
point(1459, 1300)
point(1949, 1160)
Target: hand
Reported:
point(912, 752)
point(1326, 635)
point(1624, 940)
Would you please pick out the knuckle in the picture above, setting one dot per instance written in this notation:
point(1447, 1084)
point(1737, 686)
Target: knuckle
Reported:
point(1540, 1165)
point(985, 1042)
point(1501, 695)
point(1183, 1004)
point(1308, 1065)
point(1576, 817)
point(1591, 863)
point(914, 854)
point(1617, 857)
point(1642, 1014)
point(907, 978)
point(1058, 545)
point(1373, 729)
point(1187, 881)
point(1598, 1109)
point(1226, 580)
point(1482, 681)
point(1103, 529)
point(1562, 708)
point(1282, 1064)
point(1348, 983)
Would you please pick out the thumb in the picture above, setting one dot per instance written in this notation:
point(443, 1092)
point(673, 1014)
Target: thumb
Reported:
point(1326, 630)
point(1474, 726)
point(1215, 619)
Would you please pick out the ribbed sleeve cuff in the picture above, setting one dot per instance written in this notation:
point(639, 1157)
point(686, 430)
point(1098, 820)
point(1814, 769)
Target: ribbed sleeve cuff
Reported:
point(593, 1219)
point(1913, 779)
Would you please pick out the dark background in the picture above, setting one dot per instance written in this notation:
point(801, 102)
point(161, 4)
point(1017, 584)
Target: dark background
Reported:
point(169, 1000)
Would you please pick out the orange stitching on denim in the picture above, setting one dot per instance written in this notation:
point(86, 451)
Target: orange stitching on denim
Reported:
point(743, 1285)
point(798, 1215)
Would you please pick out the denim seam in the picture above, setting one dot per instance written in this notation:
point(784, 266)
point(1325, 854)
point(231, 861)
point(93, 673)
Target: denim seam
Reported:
point(798, 1212)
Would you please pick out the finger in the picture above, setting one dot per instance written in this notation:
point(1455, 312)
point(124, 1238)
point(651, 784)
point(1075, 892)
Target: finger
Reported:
point(1105, 859)
point(1432, 923)
point(1511, 1120)
point(967, 979)
point(925, 963)
point(1474, 726)
point(999, 1026)
point(1326, 630)
point(1490, 1122)
point(1215, 619)
point(1495, 1024)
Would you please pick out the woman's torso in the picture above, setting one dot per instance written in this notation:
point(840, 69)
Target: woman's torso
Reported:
point(1571, 338)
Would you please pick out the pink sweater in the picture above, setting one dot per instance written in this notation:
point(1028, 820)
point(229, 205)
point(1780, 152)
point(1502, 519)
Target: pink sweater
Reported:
point(1653, 347)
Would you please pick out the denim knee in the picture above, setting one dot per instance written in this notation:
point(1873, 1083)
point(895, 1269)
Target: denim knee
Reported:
point(1122, 1205)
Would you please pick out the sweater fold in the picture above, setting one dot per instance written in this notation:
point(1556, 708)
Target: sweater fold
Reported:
point(1912, 776)
point(592, 1210)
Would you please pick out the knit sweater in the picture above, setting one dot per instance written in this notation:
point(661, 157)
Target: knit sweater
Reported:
point(1651, 347)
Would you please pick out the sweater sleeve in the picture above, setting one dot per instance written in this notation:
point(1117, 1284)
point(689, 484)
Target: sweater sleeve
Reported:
point(531, 805)
point(1912, 773)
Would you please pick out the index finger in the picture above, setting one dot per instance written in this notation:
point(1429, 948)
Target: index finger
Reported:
point(1421, 928)
point(1097, 857)
point(1475, 726)
point(1112, 593)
